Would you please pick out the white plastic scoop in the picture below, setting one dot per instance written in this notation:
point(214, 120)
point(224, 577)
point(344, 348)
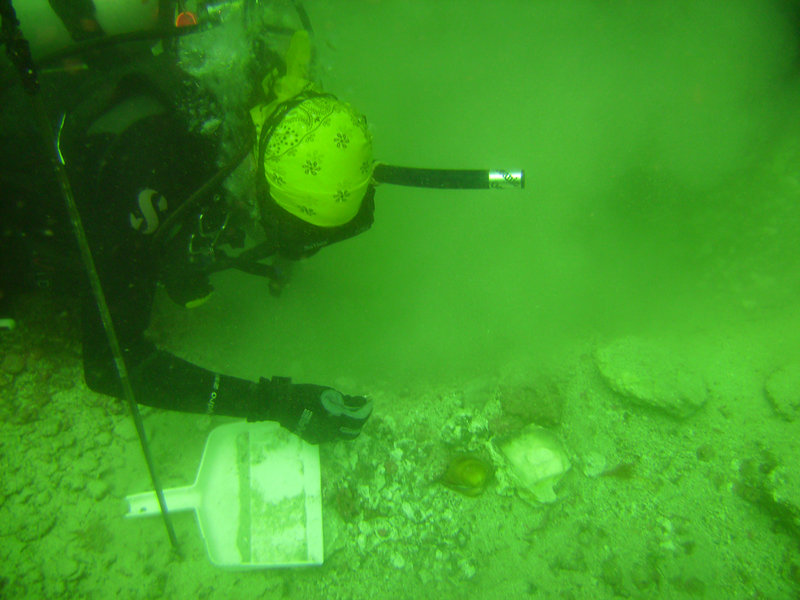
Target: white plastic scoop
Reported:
point(257, 498)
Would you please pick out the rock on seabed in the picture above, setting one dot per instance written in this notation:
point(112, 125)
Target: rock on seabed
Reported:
point(649, 375)
point(783, 391)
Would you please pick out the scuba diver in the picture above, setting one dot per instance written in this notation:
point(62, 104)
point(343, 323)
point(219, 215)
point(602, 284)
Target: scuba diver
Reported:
point(135, 139)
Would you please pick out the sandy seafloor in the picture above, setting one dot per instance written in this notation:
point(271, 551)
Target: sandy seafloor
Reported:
point(701, 507)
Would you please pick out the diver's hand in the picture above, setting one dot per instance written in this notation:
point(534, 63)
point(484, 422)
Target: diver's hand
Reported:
point(314, 412)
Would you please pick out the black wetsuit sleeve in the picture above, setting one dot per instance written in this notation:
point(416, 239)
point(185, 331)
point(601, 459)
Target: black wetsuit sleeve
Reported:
point(140, 177)
point(163, 380)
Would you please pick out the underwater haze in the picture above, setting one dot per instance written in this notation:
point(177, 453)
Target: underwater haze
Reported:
point(588, 389)
point(660, 146)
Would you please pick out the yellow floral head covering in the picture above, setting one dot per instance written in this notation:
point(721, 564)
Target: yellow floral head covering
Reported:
point(318, 161)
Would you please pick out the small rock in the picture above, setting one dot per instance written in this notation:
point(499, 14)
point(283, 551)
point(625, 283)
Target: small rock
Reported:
point(773, 487)
point(26, 414)
point(784, 488)
point(97, 489)
point(43, 499)
point(54, 587)
point(66, 567)
point(9, 527)
point(103, 439)
point(13, 363)
point(73, 481)
point(34, 363)
point(705, 452)
point(408, 511)
point(86, 464)
point(63, 379)
point(425, 576)
point(5, 378)
point(398, 562)
point(37, 528)
point(648, 375)
point(783, 391)
point(467, 569)
point(125, 430)
point(50, 427)
point(365, 527)
point(67, 439)
point(594, 464)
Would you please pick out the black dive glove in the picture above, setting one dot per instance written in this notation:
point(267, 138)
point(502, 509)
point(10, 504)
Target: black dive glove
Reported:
point(314, 412)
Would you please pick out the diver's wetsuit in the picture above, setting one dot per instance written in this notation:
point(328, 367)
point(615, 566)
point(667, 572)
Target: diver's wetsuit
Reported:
point(131, 165)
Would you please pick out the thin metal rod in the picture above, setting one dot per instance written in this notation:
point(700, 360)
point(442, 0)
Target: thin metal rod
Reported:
point(105, 313)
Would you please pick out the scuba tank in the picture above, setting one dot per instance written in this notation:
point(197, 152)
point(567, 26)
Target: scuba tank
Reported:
point(58, 28)
point(54, 25)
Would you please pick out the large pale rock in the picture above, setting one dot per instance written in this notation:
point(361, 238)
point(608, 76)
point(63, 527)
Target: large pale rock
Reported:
point(649, 375)
point(536, 461)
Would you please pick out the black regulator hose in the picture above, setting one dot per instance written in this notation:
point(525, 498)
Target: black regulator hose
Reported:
point(454, 179)
point(18, 50)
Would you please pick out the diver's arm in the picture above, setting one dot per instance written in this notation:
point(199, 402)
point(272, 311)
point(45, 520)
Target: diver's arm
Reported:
point(158, 378)
point(162, 380)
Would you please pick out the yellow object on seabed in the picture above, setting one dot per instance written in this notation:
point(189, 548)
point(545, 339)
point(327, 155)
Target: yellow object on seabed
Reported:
point(467, 474)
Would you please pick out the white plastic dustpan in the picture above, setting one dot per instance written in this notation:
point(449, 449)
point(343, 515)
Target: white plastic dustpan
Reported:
point(257, 498)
